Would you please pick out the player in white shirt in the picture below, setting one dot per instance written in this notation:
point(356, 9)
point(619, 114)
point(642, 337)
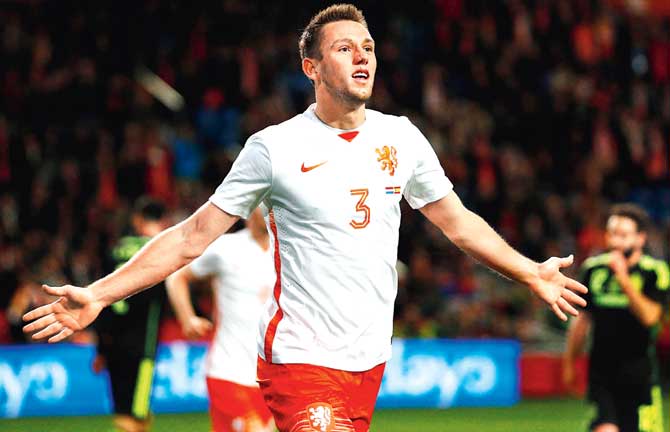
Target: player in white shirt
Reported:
point(243, 275)
point(331, 179)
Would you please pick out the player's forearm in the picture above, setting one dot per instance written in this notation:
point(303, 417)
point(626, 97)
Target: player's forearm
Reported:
point(164, 254)
point(476, 237)
point(576, 338)
point(479, 240)
point(645, 310)
point(179, 295)
point(160, 257)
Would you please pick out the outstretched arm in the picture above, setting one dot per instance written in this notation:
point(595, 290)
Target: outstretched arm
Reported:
point(179, 294)
point(175, 247)
point(473, 235)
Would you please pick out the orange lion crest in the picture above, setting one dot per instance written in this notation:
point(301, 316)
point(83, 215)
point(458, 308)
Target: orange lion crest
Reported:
point(387, 158)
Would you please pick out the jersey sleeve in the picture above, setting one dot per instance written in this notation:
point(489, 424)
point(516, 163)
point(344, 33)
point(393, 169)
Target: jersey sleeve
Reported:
point(428, 183)
point(660, 290)
point(248, 182)
point(209, 262)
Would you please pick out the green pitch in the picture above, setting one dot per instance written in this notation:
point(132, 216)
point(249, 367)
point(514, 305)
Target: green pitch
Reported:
point(528, 416)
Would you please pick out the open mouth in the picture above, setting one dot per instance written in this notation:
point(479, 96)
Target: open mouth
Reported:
point(361, 75)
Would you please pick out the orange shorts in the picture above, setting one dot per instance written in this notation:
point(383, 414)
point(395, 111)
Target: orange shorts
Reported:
point(237, 408)
point(308, 398)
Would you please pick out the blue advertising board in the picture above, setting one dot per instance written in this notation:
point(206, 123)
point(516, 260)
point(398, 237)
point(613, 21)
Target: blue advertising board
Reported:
point(179, 378)
point(51, 380)
point(442, 373)
point(59, 380)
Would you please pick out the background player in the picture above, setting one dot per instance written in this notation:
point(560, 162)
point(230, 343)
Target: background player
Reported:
point(128, 329)
point(243, 271)
point(628, 291)
point(332, 178)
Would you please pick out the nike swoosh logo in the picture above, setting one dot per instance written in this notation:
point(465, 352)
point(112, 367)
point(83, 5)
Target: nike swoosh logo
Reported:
point(303, 168)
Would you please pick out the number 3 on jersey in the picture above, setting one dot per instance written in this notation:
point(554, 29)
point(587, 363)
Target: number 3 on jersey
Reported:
point(361, 207)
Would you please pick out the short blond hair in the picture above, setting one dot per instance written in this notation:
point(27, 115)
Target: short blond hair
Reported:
point(310, 40)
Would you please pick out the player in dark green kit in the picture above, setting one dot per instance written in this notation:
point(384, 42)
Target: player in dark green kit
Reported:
point(628, 291)
point(128, 329)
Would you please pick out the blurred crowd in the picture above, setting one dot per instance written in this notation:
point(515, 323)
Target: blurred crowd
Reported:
point(542, 113)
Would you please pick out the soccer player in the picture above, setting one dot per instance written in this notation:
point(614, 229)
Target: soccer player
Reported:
point(244, 273)
point(331, 179)
point(628, 291)
point(128, 329)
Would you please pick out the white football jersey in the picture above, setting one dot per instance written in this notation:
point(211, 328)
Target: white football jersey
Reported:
point(243, 279)
point(333, 199)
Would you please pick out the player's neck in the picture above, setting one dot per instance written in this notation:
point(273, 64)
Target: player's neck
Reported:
point(339, 115)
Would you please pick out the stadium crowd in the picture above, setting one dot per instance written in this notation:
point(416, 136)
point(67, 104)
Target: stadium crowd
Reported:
point(543, 113)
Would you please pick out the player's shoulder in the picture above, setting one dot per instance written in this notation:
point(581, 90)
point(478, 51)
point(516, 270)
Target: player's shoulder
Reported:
point(277, 132)
point(388, 120)
point(648, 262)
point(657, 266)
point(400, 130)
point(601, 260)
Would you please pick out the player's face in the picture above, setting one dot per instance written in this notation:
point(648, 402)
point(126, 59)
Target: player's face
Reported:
point(623, 234)
point(348, 64)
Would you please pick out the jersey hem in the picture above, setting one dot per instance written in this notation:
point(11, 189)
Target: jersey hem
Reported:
point(223, 377)
point(342, 366)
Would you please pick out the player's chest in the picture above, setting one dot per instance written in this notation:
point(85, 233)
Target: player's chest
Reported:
point(344, 176)
point(606, 290)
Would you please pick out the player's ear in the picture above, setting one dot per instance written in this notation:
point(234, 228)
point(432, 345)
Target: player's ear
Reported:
point(309, 68)
point(642, 239)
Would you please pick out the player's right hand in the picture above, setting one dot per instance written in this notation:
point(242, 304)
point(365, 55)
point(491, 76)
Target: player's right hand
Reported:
point(196, 327)
point(74, 310)
point(557, 290)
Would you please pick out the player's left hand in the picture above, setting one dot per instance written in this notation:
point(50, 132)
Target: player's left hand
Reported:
point(558, 290)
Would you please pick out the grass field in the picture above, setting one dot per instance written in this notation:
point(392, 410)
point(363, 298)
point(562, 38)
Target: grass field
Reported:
point(529, 416)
